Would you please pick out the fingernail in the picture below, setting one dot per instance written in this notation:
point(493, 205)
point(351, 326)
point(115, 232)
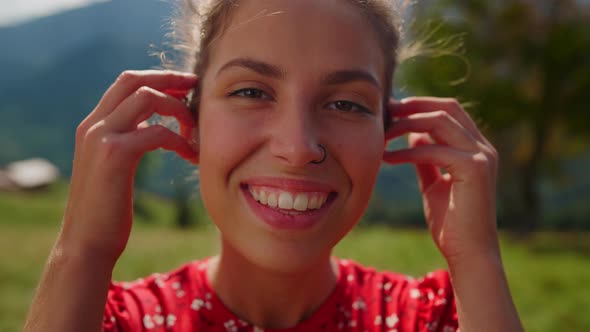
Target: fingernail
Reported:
point(177, 93)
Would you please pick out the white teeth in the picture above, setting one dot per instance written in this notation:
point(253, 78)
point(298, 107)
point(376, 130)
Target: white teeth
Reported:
point(301, 203)
point(313, 203)
point(284, 200)
point(263, 198)
point(255, 194)
point(272, 200)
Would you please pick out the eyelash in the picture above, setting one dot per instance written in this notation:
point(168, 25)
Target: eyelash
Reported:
point(359, 108)
point(243, 94)
point(240, 93)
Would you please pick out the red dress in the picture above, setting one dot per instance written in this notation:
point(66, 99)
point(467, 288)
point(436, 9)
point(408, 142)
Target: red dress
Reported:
point(364, 300)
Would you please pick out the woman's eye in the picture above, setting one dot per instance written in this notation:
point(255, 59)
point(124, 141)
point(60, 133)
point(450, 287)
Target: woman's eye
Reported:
point(250, 93)
point(348, 106)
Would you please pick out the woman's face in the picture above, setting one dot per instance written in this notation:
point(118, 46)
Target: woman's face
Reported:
point(284, 77)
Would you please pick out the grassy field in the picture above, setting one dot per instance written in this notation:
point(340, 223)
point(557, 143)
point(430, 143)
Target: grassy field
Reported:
point(549, 274)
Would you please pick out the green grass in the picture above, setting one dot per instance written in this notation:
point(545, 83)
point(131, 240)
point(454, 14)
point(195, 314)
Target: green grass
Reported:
point(549, 274)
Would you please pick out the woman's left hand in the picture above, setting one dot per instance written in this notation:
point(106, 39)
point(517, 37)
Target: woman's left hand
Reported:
point(459, 205)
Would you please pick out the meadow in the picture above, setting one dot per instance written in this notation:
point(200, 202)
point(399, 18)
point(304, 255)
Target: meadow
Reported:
point(549, 273)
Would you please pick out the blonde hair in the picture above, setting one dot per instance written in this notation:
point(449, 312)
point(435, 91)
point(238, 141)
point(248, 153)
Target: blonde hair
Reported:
point(197, 23)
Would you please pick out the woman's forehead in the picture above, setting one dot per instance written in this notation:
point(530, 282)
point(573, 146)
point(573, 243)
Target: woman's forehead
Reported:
point(321, 36)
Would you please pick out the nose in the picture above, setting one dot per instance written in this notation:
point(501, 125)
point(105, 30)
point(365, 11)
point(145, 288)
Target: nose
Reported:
point(294, 139)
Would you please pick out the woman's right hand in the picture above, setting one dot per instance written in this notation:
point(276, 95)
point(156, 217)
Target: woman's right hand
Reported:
point(109, 144)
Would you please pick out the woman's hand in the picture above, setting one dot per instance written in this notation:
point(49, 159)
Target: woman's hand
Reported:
point(460, 205)
point(109, 144)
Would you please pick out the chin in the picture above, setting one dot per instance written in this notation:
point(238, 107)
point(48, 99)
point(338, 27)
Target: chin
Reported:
point(278, 255)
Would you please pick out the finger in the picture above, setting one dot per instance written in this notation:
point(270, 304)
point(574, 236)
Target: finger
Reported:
point(155, 137)
point(130, 81)
point(180, 94)
point(443, 128)
point(456, 162)
point(142, 105)
point(414, 105)
point(427, 173)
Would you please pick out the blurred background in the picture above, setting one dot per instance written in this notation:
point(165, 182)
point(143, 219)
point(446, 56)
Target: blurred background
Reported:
point(521, 68)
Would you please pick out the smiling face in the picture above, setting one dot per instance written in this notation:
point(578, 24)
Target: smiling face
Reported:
point(284, 77)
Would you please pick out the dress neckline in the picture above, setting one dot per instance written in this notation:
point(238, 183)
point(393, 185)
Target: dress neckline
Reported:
point(315, 320)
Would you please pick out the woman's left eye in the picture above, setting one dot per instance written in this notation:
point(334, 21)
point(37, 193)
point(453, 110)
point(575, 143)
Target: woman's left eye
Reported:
point(348, 106)
point(250, 93)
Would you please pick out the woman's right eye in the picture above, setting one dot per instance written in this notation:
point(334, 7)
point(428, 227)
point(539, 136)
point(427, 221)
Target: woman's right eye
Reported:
point(252, 93)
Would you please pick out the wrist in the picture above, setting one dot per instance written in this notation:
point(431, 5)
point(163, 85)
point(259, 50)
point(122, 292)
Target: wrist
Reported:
point(488, 261)
point(477, 278)
point(75, 255)
point(72, 293)
point(478, 250)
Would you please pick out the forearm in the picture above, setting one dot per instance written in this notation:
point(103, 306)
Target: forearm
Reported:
point(71, 295)
point(483, 297)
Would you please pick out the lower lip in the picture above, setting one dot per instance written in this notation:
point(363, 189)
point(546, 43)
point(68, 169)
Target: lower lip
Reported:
point(279, 220)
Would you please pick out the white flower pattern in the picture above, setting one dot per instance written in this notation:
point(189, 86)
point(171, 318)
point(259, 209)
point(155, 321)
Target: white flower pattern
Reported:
point(359, 304)
point(367, 304)
point(170, 320)
point(392, 320)
point(148, 323)
point(158, 319)
point(230, 326)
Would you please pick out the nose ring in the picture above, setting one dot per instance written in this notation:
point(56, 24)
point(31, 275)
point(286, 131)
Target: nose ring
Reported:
point(324, 156)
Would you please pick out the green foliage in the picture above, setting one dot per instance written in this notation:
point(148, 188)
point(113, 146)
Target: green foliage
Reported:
point(188, 211)
point(521, 68)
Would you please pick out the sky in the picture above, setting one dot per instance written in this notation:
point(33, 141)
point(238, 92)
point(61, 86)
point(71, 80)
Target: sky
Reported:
point(13, 12)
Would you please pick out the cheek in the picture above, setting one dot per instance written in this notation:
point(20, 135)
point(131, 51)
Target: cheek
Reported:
point(224, 134)
point(360, 155)
point(221, 148)
point(366, 165)
point(227, 139)
point(363, 153)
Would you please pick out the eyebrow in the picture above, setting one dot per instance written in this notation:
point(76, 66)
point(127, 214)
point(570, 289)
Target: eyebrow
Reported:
point(260, 67)
point(345, 76)
point(272, 71)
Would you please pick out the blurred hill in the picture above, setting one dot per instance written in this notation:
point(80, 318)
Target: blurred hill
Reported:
point(55, 69)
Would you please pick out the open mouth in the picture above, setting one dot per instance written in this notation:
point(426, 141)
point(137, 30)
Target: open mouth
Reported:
point(289, 201)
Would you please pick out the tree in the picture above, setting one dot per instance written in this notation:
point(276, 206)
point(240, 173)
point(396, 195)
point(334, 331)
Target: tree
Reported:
point(146, 168)
point(525, 75)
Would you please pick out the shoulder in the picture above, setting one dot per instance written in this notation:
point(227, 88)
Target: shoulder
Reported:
point(397, 301)
point(175, 281)
point(367, 280)
point(361, 278)
point(154, 302)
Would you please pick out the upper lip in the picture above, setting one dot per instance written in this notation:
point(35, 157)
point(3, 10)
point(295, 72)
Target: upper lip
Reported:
point(296, 185)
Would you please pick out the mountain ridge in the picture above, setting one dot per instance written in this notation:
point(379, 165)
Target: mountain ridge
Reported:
point(55, 69)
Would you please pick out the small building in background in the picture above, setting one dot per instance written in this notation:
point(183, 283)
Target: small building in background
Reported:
point(30, 174)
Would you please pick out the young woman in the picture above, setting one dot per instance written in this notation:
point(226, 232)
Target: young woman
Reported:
point(288, 124)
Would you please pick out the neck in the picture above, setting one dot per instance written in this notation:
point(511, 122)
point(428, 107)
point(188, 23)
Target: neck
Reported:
point(267, 298)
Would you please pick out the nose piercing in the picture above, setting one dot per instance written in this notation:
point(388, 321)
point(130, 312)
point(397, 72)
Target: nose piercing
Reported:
point(325, 154)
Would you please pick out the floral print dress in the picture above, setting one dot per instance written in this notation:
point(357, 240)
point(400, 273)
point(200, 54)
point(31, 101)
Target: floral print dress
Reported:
point(364, 300)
